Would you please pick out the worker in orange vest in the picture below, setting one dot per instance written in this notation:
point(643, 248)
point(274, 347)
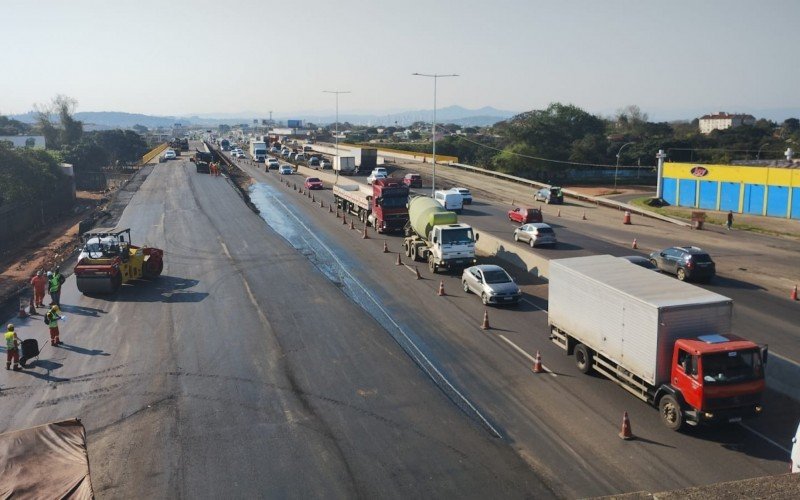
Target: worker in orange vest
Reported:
point(38, 282)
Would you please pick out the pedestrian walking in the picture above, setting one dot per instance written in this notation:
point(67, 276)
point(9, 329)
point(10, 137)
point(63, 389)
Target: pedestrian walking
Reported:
point(55, 280)
point(51, 318)
point(729, 222)
point(12, 348)
point(39, 283)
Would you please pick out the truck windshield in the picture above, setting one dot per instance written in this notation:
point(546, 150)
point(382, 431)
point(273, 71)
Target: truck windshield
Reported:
point(394, 201)
point(457, 236)
point(731, 367)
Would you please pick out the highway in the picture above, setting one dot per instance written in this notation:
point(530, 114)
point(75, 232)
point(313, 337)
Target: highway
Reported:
point(564, 424)
point(245, 372)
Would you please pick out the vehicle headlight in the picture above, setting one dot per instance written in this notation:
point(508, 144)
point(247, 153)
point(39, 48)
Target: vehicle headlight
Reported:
point(708, 415)
point(759, 408)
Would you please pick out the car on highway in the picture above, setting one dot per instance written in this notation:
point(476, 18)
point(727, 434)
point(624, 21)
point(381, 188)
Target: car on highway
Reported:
point(536, 234)
point(640, 261)
point(412, 180)
point(313, 162)
point(325, 164)
point(274, 150)
point(285, 153)
point(551, 195)
point(272, 163)
point(687, 263)
point(380, 170)
point(491, 283)
point(170, 155)
point(286, 170)
point(292, 156)
point(300, 157)
point(525, 215)
point(313, 183)
point(372, 177)
point(466, 195)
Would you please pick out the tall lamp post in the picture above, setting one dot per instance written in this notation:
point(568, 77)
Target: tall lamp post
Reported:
point(435, 77)
point(617, 167)
point(336, 137)
point(758, 155)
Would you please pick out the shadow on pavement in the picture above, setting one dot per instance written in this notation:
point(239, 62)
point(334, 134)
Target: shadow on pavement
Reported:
point(168, 289)
point(735, 438)
point(82, 310)
point(46, 365)
point(722, 282)
point(82, 350)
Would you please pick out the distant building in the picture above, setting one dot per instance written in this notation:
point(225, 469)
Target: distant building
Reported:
point(25, 141)
point(179, 130)
point(722, 120)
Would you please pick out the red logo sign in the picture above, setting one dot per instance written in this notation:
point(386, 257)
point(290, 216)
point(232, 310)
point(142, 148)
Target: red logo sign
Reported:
point(699, 171)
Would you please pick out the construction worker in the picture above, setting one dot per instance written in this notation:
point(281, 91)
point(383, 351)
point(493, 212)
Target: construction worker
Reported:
point(52, 317)
point(55, 280)
point(38, 282)
point(12, 348)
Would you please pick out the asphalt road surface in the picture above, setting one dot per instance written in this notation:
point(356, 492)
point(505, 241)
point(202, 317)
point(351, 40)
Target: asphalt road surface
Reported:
point(245, 372)
point(563, 424)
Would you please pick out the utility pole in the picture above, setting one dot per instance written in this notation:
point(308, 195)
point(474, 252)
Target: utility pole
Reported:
point(435, 77)
point(336, 126)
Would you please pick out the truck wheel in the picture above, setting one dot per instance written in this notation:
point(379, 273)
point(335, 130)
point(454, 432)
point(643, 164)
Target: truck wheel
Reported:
point(407, 248)
point(681, 275)
point(671, 413)
point(413, 252)
point(583, 358)
point(432, 265)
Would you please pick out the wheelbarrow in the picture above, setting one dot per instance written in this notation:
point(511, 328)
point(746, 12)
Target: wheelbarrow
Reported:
point(30, 350)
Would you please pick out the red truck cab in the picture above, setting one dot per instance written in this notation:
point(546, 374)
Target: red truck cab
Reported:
point(714, 378)
point(525, 215)
point(389, 206)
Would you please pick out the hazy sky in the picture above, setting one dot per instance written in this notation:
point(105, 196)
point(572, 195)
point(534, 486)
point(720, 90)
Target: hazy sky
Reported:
point(178, 57)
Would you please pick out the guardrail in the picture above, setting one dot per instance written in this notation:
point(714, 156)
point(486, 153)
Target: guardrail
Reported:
point(153, 153)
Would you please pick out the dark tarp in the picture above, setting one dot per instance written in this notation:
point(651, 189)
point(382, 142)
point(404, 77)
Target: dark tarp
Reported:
point(48, 462)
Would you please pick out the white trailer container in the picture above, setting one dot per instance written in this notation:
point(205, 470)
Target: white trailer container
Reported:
point(631, 315)
point(258, 150)
point(345, 165)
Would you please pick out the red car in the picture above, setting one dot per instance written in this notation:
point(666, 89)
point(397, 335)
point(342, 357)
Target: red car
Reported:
point(413, 180)
point(313, 183)
point(525, 215)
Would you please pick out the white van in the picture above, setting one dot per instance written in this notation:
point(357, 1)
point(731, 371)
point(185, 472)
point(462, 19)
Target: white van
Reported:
point(450, 200)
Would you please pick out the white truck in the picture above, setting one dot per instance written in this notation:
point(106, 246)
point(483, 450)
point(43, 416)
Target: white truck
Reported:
point(345, 165)
point(666, 342)
point(435, 236)
point(258, 150)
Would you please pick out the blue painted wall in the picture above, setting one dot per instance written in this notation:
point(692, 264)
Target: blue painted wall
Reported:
point(669, 191)
point(729, 196)
point(778, 201)
point(753, 199)
point(795, 203)
point(687, 192)
point(708, 194)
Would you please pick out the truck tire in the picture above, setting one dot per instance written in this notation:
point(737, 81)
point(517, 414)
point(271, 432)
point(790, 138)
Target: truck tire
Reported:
point(407, 248)
point(583, 359)
point(413, 253)
point(671, 412)
point(432, 267)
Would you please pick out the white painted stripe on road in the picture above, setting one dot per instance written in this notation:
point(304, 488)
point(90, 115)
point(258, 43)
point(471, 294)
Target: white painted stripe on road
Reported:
point(419, 352)
point(765, 438)
point(534, 305)
point(521, 351)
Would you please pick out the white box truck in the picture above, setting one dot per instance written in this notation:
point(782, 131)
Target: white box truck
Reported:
point(258, 150)
point(345, 165)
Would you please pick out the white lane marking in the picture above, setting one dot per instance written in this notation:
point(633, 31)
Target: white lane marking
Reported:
point(534, 305)
point(765, 438)
point(386, 314)
point(531, 358)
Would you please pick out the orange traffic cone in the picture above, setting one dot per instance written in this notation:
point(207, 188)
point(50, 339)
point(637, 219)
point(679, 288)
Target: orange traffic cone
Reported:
point(385, 247)
point(352, 226)
point(537, 363)
point(344, 219)
point(399, 262)
point(365, 236)
point(485, 324)
point(634, 245)
point(321, 204)
point(312, 199)
point(584, 216)
point(558, 214)
point(416, 273)
point(626, 219)
point(441, 293)
point(22, 304)
point(793, 296)
point(626, 432)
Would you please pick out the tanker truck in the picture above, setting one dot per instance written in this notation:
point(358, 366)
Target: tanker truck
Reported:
point(435, 236)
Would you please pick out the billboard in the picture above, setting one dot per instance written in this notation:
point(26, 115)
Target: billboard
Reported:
point(294, 123)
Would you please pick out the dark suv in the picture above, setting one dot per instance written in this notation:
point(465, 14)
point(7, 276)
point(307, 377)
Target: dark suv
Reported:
point(687, 263)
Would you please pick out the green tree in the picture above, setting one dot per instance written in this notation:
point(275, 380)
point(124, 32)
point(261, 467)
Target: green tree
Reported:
point(29, 175)
point(140, 129)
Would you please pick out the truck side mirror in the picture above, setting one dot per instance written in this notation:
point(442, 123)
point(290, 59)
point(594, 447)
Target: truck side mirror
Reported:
point(764, 354)
point(477, 235)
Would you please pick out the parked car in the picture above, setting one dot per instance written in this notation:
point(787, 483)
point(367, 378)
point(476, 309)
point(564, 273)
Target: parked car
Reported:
point(272, 163)
point(412, 180)
point(491, 283)
point(325, 164)
point(551, 195)
point(466, 195)
point(170, 155)
point(525, 215)
point(687, 263)
point(286, 170)
point(313, 162)
point(640, 261)
point(313, 183)
point(536, 234)
point(372, 177)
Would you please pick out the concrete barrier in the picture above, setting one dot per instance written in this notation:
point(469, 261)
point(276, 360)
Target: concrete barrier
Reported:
point(783, 376)
point(153, 153)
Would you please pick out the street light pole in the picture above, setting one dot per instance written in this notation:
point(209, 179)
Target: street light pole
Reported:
point(435, 77)
point(758, 155)
point(617, 167)
point(336, 136)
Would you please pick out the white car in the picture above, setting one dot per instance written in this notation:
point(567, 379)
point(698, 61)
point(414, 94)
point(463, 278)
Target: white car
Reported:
point(272, 163)
point(491, 283)
point(536, 234)
point(375, 176)
point(286, 170)
point(170, 155)
point(380, 170)
point(466, 195)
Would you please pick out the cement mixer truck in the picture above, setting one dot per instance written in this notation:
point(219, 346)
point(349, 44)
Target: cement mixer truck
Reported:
point(435, 236)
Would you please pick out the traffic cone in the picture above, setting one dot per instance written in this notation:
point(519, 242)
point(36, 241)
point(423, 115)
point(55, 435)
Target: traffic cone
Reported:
point(365, 236)
point(312, 199)
point(626, 432)
point(558, 214)
point(416, 273)
point(22, 313)
point(793, 296)
point(634, 245)
point(537, 363)
point(399, 262)
point(584, 216)
point(321, 204)
point(626, 219)
point(352, 226)
point(344, 219)
point(337, 213)
point(294, 186)
point(485, 324)
point(385, 247)
point(441, 293)
point(330, 209)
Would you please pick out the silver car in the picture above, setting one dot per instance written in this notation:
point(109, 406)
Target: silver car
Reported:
point(536, 233)
point(492, 283)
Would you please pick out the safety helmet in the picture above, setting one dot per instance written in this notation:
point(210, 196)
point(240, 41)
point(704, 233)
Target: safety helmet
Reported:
point(39, 272)
point(49, 273)
point(11, 327)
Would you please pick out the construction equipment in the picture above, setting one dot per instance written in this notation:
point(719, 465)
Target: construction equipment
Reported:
point(108, 260)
